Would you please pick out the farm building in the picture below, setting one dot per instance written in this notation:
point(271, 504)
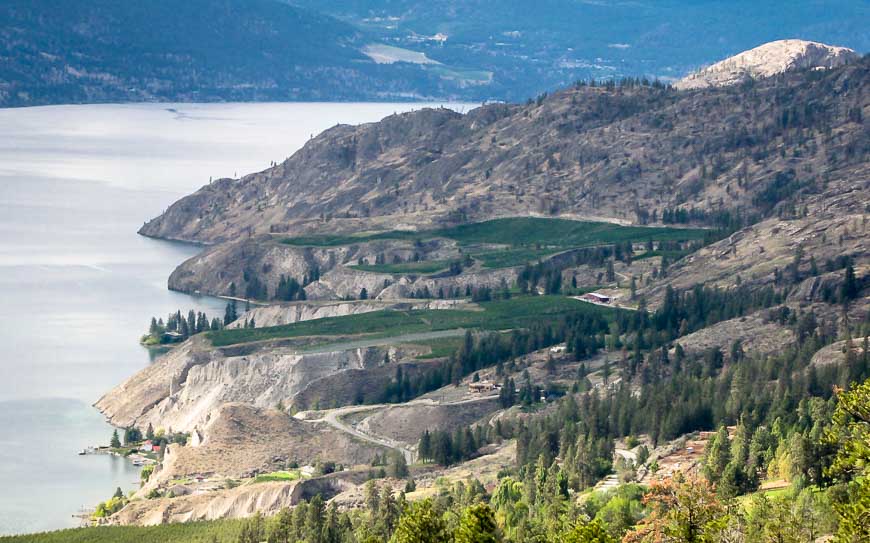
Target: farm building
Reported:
point(482, 386)
point(594, 297)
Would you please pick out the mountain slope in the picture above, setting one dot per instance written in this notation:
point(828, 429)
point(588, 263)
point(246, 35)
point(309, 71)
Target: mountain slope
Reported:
point(768, 60)
point(631, 154)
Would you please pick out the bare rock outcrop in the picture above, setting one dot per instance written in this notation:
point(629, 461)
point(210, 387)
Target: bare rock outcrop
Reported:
point(266, 498)
point(182, 389)
point(767, 60)
point(756, 335)
point(243, 501)
point(836, 352)
point(220, 268)
point(264, 259)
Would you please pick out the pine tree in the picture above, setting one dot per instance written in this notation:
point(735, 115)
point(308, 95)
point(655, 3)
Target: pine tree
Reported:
point(477, 525)
point(718, 455)
point(421, 523)
point(115, 441)
point(230, 313)
point(851, 435)
point(849, 289)
point(397, 467)
point(253, 530)
point(425, 447)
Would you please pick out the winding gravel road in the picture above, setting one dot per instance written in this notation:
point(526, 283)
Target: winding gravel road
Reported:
point(333, 417)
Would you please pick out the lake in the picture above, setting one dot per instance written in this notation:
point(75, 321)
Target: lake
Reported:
point(79, 286)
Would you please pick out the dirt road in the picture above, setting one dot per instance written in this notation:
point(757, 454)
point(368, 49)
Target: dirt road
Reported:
point(333, 417)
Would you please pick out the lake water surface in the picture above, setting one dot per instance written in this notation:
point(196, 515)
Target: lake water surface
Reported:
point(79, 286)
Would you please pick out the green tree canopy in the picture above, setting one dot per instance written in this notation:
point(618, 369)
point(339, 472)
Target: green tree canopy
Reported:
point(477, 525)
point(421, 523)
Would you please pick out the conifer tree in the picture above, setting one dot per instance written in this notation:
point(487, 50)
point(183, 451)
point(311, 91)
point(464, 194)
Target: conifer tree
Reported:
point(477, 525)
point(421, 523)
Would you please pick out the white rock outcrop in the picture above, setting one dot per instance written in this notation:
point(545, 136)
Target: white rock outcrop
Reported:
point(181, 389)
point(767, 60)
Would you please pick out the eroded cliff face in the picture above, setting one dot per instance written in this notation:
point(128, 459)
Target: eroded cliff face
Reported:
point(239, 442)
point(217, 269)
point(128, 403)
point(182, 389)
point(244, 501)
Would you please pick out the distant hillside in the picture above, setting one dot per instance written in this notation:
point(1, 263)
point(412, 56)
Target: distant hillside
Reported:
point(80, 51)
point(530, 50)
point(58, 51)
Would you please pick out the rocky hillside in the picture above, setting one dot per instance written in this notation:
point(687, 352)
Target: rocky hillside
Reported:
point(624, 153)
point(767, 60)
point(791, 248)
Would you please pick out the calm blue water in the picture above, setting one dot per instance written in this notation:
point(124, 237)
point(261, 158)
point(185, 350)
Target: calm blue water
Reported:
point(79, 286)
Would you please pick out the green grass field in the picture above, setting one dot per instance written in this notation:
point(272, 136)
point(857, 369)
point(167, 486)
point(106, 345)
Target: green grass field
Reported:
point(497, 315)
point(526, 239)
point(508, 258)
point(224, 531)
point(519, 232)
point(441, 347)
point(279, 476)
point(530, 231)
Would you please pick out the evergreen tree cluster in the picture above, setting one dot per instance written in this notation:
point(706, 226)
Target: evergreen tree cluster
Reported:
point(161, 331)
point(289, 289)
point(446, 448)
